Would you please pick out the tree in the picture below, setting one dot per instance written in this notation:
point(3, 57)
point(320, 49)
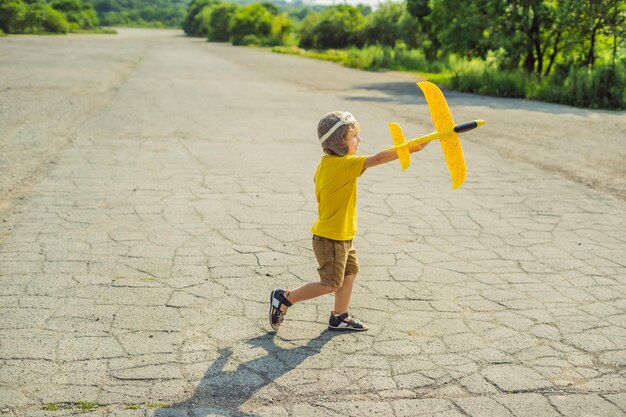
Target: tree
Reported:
point(12, 14)
point(462, 26)
point(339, 27)
point(191, 23)
point(282, 26)
point(252, 23)
point(409, 30)
point(219, 22)
point(420, 9)
point(616, 22)
point(307, 31)
point(78, 14)
point(40, 17)
point(381, 27)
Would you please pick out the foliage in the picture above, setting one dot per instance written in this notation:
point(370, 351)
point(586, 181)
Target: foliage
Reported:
point(41, 17)
point(601, 87)
point(142, 13)
point(281, 30)
point(568, 52)
point(219, 22)
point(251, 24)
point(12, 14)
point(57, 16)
point(336, 27)
point(334, 55)
point(306, 33)
point(79, 15)
point(381, 28)
point(193, 23)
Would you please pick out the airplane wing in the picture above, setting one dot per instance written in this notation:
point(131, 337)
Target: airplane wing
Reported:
point(450, 143)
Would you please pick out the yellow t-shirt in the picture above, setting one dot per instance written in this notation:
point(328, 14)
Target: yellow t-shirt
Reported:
point(336, 192)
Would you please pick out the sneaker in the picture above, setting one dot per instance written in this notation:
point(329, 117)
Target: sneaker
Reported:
point(277, 299)
point(345, 322)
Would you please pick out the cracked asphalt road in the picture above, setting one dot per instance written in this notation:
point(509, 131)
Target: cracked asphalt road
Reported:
point(156, 187)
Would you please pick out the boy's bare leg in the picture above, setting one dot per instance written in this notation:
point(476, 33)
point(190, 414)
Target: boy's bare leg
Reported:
point(343, 294)
point(308, 291)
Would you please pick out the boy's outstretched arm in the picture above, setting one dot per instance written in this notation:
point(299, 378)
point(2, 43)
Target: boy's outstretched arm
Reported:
point(383, 157)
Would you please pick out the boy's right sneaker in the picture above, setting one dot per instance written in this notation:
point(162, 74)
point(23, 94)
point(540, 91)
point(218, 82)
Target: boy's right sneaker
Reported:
point(345, 322)
point(277, 299)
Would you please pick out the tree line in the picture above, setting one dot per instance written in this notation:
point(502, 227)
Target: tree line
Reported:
point(141, 13)
point(562, 51)
point(40, 16)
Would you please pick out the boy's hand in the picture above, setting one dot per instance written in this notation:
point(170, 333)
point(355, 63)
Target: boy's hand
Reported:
point(389, 155)
point(418, 148)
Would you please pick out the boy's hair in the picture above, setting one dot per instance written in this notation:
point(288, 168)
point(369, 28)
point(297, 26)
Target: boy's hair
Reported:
point(335, 144)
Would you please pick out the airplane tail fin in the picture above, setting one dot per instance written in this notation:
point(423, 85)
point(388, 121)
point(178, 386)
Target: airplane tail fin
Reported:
point(398, 141)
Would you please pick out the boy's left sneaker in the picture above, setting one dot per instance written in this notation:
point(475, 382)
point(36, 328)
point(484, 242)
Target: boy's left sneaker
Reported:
point(277, 300)
point(345, 322)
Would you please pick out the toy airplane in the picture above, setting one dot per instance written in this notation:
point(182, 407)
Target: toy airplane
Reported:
point(447, 132)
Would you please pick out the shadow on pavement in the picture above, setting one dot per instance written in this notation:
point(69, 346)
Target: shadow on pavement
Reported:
point(222, 392)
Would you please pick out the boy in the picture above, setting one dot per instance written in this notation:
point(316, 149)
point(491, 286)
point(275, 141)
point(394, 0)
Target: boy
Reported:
point(336, 193)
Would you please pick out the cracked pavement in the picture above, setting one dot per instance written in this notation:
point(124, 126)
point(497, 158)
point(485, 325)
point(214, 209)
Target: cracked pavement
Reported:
point(155, 188)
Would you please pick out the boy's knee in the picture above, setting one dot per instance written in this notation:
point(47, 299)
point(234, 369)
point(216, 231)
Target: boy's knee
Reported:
point(331, 288)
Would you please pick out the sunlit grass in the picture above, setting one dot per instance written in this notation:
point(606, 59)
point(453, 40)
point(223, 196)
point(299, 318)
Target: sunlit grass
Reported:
point(82, 406)
point(602, 87)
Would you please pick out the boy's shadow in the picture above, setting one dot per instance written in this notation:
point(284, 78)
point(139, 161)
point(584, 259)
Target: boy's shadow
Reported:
point(221, 393)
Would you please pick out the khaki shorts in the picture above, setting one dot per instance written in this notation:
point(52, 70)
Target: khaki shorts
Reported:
point(337, 258)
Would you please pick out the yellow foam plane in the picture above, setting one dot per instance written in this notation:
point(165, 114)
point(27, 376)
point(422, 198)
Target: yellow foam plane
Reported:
point(447, 133)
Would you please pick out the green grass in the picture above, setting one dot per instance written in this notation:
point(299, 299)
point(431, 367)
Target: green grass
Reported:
point(102, 30)
point(373, 59)
point(603, 87)
point(89, 406)
point(335, 55)
point(439, 78)
point(156, 405)
point(82, 406)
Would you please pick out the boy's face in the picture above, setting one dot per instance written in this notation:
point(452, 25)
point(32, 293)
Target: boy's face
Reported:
point(353, 140)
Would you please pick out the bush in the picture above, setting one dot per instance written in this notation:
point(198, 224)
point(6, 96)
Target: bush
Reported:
point(603, 87)
point(202, 22)
point(254, 19)
point(336, 27)
point(381, 27)
point(79, 15)
point(219, 22)
point(41, 17)
point(12, 15)
point(250, 40)
point(411, 59)
point(307, 31)
point(192, 23)
point(361, 58)
point(478, 76)
point(398, 58)
point(55, 22)
point(282, 27)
